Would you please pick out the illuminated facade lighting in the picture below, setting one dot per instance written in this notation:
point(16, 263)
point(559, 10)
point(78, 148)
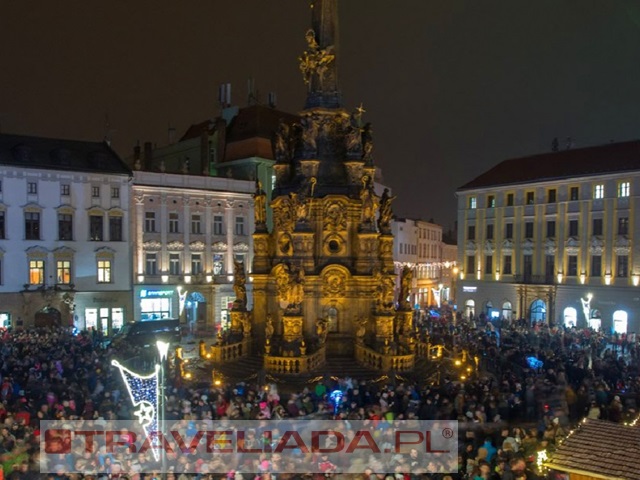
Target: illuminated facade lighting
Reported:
point(636, 279)
point(165, 278)
point(140, 278)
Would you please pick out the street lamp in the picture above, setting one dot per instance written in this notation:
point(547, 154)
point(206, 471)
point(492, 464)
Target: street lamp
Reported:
point(163, 351)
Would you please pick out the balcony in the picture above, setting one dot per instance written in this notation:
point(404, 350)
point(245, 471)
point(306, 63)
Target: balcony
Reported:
point(534, 279)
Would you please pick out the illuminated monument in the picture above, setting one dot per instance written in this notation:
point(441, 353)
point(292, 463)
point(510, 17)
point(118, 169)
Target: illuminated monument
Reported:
point(323, 278)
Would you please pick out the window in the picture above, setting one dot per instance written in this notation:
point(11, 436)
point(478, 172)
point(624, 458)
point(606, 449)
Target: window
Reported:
point(174, 264)
point(622, 265)
point(472, 202)
point(528, 230)
point(95, 191)
point(597, 226)
point(508, 231)
point(471, 264)
point(572, 265)
point(623, 226)
point(63, 272)
point(151, 264)
point(488, 264)
point(150, 222)
point(2, 229)
point(506, 265)
point(598, 191)
point(574, 193)
point(104, 271)
point(240, 226)
point(36, 272)
point(32, 226)
point(491, 201)
point(551, 228)
point(510, 199)
point(115, 229)
point(471, 232)
point(217, 225)
point(196, 226)
point(65, 226)
point(596, 266)
point(490, 231)
point(573, 228)
point(32, 188)
point(196, 264)
point(96, 230)
point(115, 192)
point(65, 189)
point(527, 268)
point(173, 223)
point(550, 266)
point(551, 195)
point(218, 263)
point(530, 198)
point(623, 189)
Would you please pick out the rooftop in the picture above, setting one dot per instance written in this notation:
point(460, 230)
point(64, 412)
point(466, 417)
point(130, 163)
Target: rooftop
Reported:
point(60, 154)
point(600, 448)
point(580, 162)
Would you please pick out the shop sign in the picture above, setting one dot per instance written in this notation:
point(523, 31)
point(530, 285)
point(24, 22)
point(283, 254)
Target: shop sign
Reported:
point(469, 289)
point(156, 293)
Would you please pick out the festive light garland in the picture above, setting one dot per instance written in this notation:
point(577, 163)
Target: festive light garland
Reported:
point(144, 393)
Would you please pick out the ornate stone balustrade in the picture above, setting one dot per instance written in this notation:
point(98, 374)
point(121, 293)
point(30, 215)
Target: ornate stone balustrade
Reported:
point(295, 365)
point(230, 352)
point(384, 362)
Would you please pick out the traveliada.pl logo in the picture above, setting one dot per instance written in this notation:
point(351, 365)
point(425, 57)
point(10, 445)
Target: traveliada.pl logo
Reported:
point(284, 446)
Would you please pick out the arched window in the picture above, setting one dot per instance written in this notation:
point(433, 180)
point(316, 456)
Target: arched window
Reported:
point(538, 311)
point(332, 317)
point(507, 310)
point(470, 308)
point(620, 318)
point(570, 317)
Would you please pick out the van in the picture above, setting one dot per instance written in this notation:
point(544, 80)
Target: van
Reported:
point(147, 333)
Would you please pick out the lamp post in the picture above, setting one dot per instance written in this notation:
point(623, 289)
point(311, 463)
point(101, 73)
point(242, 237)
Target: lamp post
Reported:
point(454, 277)
point(163, 350)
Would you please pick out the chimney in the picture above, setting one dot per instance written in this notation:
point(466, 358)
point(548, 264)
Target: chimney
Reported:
point(221, 128)
point(172, 135)
point(137, 162)
point(148, 156)
point(252, 98)
point(273, 99)
point(204, 152)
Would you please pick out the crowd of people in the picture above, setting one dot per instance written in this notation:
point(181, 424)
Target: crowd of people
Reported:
point(508, 410)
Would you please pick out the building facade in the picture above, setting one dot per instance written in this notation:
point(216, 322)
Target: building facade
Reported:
point(553, 238)
point(418, 244)
point(187, 232)
point(64, 234)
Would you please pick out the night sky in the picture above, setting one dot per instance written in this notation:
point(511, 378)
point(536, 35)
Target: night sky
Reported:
point(452, 87)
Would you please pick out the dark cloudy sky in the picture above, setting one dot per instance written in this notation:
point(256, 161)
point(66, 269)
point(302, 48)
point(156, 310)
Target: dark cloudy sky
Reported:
point(451, 86)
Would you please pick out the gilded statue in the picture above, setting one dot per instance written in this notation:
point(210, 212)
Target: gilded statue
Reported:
point(322, 329)
point(309, 134)
point(282, 141)
point(367, 143)
point(354, 134)
point(315, 61)
point(239, 283)
point(285, 244)
point(260, 204)
point(386, 214)
point(369, 200)
point(362, 329)
point(296, 289)
point(406, 279)
point(269, 329)
point(385, 286)
point(246, 325)
point(334, 216)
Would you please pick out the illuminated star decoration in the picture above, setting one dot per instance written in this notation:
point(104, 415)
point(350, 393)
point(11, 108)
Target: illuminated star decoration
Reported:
point(336, 398)
point(144, 393)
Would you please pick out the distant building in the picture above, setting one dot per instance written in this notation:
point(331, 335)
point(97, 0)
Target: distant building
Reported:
point(553, 238)
point(419, 245)
point(64, 234)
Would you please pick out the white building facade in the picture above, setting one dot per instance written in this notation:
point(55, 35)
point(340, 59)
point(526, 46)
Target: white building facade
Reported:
point(187, 232)
point(553, 238)
point(64, 236)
